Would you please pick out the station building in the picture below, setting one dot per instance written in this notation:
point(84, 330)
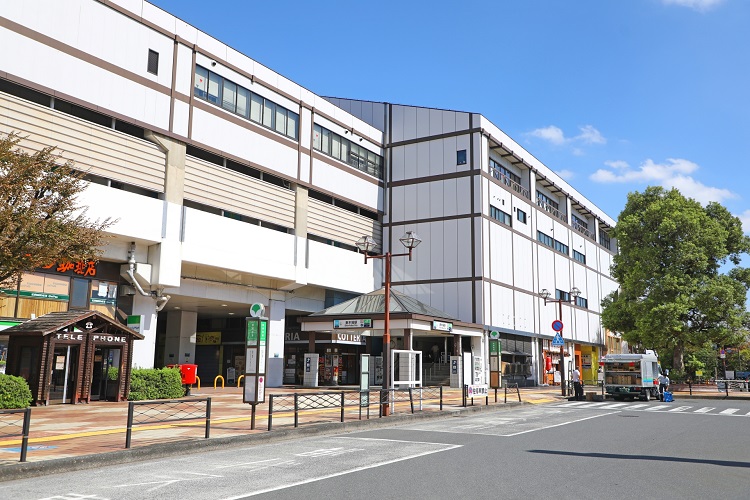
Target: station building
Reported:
point(231, 185)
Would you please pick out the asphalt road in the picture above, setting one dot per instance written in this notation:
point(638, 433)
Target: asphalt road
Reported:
point(625, 450)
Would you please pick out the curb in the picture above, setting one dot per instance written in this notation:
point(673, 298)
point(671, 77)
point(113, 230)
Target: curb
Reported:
point(24, 470)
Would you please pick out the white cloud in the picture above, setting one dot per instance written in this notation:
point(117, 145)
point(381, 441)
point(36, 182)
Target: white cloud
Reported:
point(566, 174)
point(745, 218)
point(675, 173)
point(551, 134)
point(698, 5)
point(617, 165)
point(589, 135)
point(555, 135)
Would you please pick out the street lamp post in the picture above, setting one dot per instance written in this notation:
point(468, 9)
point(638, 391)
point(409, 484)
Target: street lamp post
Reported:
point(572, 295)
point(367, 244)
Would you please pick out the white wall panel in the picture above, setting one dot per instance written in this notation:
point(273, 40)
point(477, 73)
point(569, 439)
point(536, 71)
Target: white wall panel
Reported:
point(524, 311)
point(423, 122)
point(594, 294)
point(216, 241)
point(463, 200)
point(181, 118)
point(351, 273)
point(398, 163)
point(437, 198)
point(449, 164)
point(546, 266)
point(451, 244)
point(135, 216)
point(450, 201)
point(423, 201)
point(437, 160)
point(410, 161)
point(523, 276)
point(562, 273)
point(184, 70)
point(411, 202)
point(423, 160)
point(238, 141)
point(464, 303)
point(464, 247)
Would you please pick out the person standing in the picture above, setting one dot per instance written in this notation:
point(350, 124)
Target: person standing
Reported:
point(663, 384)
point(577, 385)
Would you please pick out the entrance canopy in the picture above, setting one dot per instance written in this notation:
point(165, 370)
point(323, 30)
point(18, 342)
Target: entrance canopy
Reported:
point(365, 315)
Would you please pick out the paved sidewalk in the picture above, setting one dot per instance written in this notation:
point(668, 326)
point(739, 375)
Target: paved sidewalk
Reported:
point(89, 435)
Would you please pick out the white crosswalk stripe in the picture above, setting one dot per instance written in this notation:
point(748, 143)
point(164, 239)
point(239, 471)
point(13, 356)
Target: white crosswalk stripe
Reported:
point(729, 411)
point(705, 409)
point(681, 408)
point(636, 406)
point(657, 408)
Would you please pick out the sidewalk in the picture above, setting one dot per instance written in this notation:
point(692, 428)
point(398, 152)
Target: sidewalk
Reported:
point(89, 435)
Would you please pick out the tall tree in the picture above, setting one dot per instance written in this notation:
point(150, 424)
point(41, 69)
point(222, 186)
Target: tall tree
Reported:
point(40, 222)
point(681, 284)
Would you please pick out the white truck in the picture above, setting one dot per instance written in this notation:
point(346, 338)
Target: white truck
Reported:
point(632, 375)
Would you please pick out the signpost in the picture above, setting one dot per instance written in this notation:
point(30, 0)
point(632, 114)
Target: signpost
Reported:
point(256, 355)
point(495, 365)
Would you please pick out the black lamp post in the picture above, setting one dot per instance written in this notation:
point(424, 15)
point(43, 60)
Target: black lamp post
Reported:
point(572, 295)
point(366, 244)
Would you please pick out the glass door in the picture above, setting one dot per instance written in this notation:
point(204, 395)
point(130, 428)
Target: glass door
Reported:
point(64, 374)
point(105, 377)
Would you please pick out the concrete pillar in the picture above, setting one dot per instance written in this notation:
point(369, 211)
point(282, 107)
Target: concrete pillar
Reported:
point(144, 350)
point(174, 178)
point(180, 340)
point(276, 313)
point(457, 349)
point(407, 339)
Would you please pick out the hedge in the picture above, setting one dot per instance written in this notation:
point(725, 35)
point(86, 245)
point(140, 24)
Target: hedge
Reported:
point(14, 392)
point(155, 383)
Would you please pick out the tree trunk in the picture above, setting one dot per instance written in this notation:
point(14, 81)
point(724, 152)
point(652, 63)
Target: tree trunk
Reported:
point(678, 359)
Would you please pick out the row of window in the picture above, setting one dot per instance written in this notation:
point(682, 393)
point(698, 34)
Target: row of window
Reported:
point(552, 243)
point(240, 101)
point(547, 200)
point(332, 144)
point(317, 195)
point(579, 256)
point(237, 167)
point(505, 218)
point(565, 296)
point(502, 171)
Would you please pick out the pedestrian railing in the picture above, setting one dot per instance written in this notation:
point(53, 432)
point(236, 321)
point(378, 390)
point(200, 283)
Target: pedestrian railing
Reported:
point(511, 387)
point(419, 398)
point(156, 412)
point(728, 386)
point(15, 423)
point(297, 402)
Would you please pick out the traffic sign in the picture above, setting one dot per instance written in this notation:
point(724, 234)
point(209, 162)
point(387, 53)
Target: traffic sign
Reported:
point(558, 340)
point(557, 325)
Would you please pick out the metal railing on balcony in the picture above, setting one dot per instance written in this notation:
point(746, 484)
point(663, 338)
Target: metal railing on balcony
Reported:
point(583, 230)
point(497, 174)
point(550, 209)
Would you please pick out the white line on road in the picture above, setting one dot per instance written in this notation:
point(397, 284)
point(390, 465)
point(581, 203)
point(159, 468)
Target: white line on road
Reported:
point(705, 409)
point(681, 408)
point(657, 408)
point(343, 473)
point(558, 425)
point(633, 407)
point(729, 411)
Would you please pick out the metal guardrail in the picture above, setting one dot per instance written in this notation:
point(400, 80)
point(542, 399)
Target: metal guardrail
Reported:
point(509, 386)
point(299, 402)
point(21, 425)
point(731, 386)
point(421, 395)
point(155, 412)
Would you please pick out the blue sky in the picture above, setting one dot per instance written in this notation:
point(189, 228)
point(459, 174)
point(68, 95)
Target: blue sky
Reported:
point(612, 95)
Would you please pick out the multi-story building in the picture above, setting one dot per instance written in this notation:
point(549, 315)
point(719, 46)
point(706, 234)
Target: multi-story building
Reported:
point(231, 185)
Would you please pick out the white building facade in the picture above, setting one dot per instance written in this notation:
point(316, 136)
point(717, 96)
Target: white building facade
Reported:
point(231, 185)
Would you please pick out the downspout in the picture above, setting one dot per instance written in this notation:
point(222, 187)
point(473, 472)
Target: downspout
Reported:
point(161, 298)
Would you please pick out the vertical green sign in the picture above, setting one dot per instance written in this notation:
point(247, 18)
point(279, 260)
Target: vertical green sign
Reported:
point(263, 331)
point(252, 332)
point(494, 347)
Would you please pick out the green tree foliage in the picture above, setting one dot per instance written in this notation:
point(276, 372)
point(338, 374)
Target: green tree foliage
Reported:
point(40, 222)
point(681, 285)
point(14, 392)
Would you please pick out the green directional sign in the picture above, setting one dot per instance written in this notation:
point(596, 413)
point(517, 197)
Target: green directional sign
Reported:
point(263, 332)
point(494, 347)
point(252, 332)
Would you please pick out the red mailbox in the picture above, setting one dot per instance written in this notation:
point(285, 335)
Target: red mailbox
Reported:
point(188, 373)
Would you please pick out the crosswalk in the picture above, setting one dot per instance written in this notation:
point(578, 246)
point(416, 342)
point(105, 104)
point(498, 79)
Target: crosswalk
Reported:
point(656, 408)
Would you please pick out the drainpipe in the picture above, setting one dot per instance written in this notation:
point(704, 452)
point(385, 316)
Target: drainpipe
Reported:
point(161, 298)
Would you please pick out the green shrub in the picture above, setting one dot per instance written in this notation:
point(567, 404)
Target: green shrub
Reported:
point(112, 373)
point(14, 392)
point(155, 383)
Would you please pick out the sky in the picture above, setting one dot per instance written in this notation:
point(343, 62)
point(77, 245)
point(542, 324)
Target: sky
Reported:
point(612, 95)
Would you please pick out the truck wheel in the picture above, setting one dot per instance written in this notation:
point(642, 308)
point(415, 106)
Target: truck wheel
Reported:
point(647, 396)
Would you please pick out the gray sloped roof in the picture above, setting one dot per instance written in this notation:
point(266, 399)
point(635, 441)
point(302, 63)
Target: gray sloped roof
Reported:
point(56, 321)
point(374, 303)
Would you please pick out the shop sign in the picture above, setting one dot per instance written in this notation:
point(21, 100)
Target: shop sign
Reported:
point(352, 323)
point(134, 322)
point(347, 338)
point(475, 391)
point(82, 268)
point(109, 338)
point(208, 338)
point(43, 295)
point(442, 326)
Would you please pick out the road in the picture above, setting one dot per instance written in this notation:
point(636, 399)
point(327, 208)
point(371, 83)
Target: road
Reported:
point(616, 450)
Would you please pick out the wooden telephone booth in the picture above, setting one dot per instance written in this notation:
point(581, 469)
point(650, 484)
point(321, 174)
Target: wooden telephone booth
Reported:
point(72, 356)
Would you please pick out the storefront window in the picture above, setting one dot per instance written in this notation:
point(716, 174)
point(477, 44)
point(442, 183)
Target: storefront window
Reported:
point(104, 297)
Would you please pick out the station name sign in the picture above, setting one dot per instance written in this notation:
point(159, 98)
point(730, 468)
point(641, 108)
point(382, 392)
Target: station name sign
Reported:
point(442, 326)
point(352, 323)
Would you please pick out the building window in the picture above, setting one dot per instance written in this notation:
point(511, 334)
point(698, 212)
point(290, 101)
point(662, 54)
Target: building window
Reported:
point(545, 239)
point(240, 101)
point(153, 62)
point(521, 216)
point(499, 215)
point(561, 247)
point(581, 302)
point(579, 257)
point(498, 171)
point(604, 240)
point(577, 221)
point(461, 157)
point(546, 200)
point(341, 148)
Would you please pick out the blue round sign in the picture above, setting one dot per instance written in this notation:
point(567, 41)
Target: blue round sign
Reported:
point(557, 325)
